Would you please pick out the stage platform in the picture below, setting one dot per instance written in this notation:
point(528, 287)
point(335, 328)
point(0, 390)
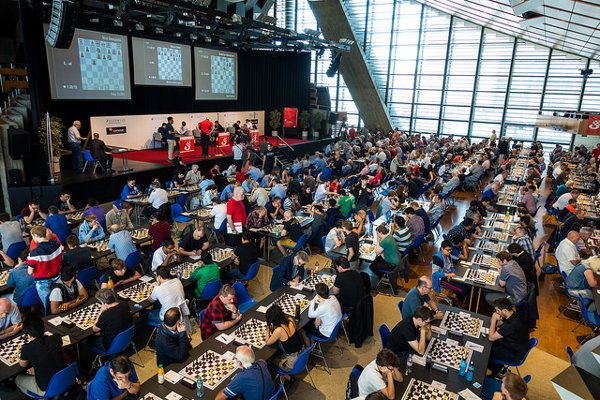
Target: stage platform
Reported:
point(144, 165)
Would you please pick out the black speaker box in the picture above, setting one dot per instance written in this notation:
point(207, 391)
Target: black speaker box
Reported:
point(333, 118)
point(14, 177)
point(18, 144)
point(62, 23)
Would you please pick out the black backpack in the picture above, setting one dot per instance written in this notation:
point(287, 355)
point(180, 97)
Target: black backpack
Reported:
point(352, 385)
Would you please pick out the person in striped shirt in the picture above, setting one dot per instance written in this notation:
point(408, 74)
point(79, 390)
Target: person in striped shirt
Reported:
point(401, 233)
point(44, 262)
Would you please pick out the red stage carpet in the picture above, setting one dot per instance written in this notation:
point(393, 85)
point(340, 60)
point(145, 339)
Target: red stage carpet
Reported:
point(159, 156)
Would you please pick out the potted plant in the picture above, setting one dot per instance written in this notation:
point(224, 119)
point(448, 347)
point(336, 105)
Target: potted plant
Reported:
point(275, 121)
point(305, 123)
point(315, 123)
point(56, 129)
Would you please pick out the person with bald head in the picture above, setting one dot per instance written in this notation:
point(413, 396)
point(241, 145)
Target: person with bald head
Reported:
point(292, 228)
point(584, 245)
point(236, 212)
point(418, 296)
point(101, 153)
point(253, 382)
point(10, 318)
point(566, 253)
point(74, 142)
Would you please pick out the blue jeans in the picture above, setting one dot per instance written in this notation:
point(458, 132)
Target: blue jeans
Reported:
point(76, 156)
point(43, 290)
point(235, 273)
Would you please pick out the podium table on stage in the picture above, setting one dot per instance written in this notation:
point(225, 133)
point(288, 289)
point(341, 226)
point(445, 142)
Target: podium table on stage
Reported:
point(186, 144)
point(254, 136)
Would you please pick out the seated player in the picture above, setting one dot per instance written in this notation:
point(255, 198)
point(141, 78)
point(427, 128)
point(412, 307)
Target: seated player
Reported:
point(290, 271)
point(252, 382)
point(206, 272)
point(282, 329)
point(348, 287)
point(388, 257)
point(76, 255)
point(508, 334)
point(57, 223)
point(442, 267)
point(19, 279)
point(90, 230)
point(67, 292)
point(36, 354)
point(121, 242)
point(513, 388)
point(116, 216)
point(164, 255)
point(290, 227)
point(10, 318)
point(244, 255)
point(411, 335)
point(194, 242)
point(115, 317)
point(32, 212)
point(380, 375)
point(159, 230)
point(512, 278)
point(221, 313)
point(116, 379)
point(63, 203)
point(169, 293)
point(172, 341)
point(419, 296)
point(119, 274)
point(325, 311)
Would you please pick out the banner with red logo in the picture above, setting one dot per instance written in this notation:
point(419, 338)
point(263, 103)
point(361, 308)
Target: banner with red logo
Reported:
point(593, 125)
point(290, 117)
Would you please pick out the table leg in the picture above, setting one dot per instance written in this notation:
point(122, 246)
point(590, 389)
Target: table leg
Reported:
point(471, 298)
point(478, 299)
point(125, 165)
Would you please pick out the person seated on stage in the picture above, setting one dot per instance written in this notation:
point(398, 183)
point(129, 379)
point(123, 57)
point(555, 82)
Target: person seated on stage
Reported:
point(193, 243)
point(193, 176)
point(102, 153)
point(32, 212)
point(179, 180)
point(121, 242)
point(92, 208)
point(37, 353)
point(567, 255)
point(207, 271)
point(282, 330)
point(582, 281)
point(158, 197)
point(252, 382)
point(159, 230)
point(221, 313)
point(131, 190)
point(119, 274)
point(325, 312)
point(67, 292)
point(275, 208)
point(57, 223)
point(462, 230)
point(411, 334)
point(115, 317)
point(19, 278)
point(244, 255)
point(10, 318)
point(348, 286)
point(116, 216)
point(509, 335)
point(380, 376)
point(419, 296)
point(90, 230)
point(64, 202)
point(441, 263)
point(164, 255)
point(512, 278)
point(116, 379)
point(172, 342)
point(169, 293)
point(292, 228)
point(210, 195)
point(290, 271)
point(513, 388)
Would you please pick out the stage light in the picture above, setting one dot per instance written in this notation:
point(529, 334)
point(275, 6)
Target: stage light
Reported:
point(139, 27)
point(118, 22)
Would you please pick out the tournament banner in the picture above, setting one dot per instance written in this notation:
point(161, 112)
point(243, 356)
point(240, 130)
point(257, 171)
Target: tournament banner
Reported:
point(290, 117)
point(593, 125)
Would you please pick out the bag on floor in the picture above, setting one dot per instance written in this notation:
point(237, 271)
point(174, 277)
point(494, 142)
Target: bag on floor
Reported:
point(352, 385)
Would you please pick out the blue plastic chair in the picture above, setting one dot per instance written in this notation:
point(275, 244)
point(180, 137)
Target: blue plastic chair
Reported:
point(323, 240)
point(300, 365)
point(300, 244)
point(59, 383)
point(384, 333)
point(370, 216)
point(532, 343)
point(570, 353)
point(133, 259)
point(201, 315)
point(181, 200)
point(30, 298)
point(252, 273)
point(211, 290)
point(277, 393)
point(243, 298)
point(86, 276)
point(87, 156)
point(119, 344)
point(588, 317)
point(319, 351)
point(400, 305)
point(15, 249)
point(176, 211)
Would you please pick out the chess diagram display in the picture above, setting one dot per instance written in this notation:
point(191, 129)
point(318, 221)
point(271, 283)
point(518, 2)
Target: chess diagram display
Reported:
point(169, 64)
point(312, 281)
point(138, 292)
point(287, 303)
point(485, 277)
point(447, 354)
point(462, 323)
point(10, 352)
point(184, 269)
point(419, 390)
point(101, 64)
point(222, 74)
point(220, 254)
point(4, 276)
point(252, 332)
point(85, 317)
point(213, 367)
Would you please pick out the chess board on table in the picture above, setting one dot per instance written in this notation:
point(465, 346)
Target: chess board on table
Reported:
point(484, 277)
point(169, 64)
point(301, 220)
point(222, 74)
point(139, 234)
point(495, 235)
point(252, 332)
point(76, 216)
point(85, 317)
point(486, 245)
point(10, 352)
point(138, 292)
point(448, 354)
point(419, 390)
point(201, 212)
point(366, 249)
point(287, 302)
point(100, 245)
point(4, 276)
point(312, 281)
point(462, 323)
point(150, 396)
point(485, 259)
point(185, 269)
point(219, 254)
point(213, 367)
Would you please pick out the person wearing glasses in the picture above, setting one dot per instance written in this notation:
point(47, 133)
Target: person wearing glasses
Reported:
point(418, 296)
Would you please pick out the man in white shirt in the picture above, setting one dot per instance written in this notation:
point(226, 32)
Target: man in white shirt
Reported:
point(164, 255)
point(379, 375)
point(169, 292)
point(563, 200)
point(259, 196)
point(219, 212)
point(157, 198)
point(325, 310)
point(566, 253)
point(321, 192)
point(501, 176)
point(74, 140)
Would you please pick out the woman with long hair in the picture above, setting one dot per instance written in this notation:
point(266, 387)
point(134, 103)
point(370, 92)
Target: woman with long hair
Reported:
point(282, 329)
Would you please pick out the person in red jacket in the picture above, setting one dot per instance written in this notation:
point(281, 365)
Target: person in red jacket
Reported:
point(44, 261)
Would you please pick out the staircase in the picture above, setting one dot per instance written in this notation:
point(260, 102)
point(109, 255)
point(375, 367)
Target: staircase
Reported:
point(285, 156)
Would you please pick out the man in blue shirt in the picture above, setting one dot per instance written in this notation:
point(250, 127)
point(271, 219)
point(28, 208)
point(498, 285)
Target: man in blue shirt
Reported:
point(290, 271)
point(418, 296)
point(131, 190)
point(115, 379)
point(90, 230)
point(253, 382)
point(248, 183)
point(19, 278)
point(121, 242)
point(255, 173)
point(278, 190)
point(58, 224)
point(206, 182)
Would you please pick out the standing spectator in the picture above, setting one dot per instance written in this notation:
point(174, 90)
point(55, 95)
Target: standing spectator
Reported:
point(236, 213)
point(74, 140)
point(44, 262)
point(348, 286)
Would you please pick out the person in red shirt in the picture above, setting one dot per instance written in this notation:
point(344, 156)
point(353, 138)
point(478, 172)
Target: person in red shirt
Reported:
point(159, 230)
point(44, 262)
point(221, 313)
point(596, 152)
point(205, 127)
point(236, 212)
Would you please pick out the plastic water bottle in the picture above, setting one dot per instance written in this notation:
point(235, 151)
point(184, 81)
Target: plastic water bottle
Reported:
point(199, 387)
point(462, 370)
point(161, 374)
point(470, 372)
point(409, 364)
